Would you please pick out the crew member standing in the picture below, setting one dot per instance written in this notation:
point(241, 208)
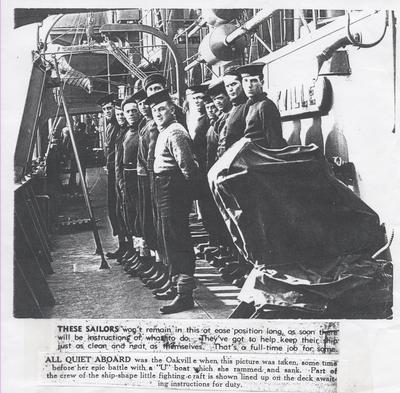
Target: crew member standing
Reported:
point(219, 241)
point(155, 83)
point(147, 133)
point(263, 120)
point(151, 85)
point(130, 151)
point(110, 134)
point(119, 178)
point(236, 121)
point(263, 125)
point(221, 100)
point(198, 126)
point(212, 137)
point(197, 122)
point(175, 169)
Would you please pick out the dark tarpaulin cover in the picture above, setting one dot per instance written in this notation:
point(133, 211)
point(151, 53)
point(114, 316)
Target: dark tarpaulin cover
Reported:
point(284, 206)
point(351, 281)
point(308, 234)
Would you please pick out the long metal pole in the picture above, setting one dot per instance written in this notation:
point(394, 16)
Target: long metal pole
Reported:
point(249, 25)
point(38, 142)
point(108, 73)
point(99, 248)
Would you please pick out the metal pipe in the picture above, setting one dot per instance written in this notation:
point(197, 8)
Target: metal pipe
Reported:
point(199, 26)
point(48, 31)
point(186, 46)
point(75, 50)
point(300, 13)
point(194, 63)
point(38, 143)
point(39, 25)
point(262, 42)
point(99, 248)
point(315, 19)
point(186, 30)
point(108, 73)
point(249, 25)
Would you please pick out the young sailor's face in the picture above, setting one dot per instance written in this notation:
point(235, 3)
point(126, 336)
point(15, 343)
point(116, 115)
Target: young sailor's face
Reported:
point(119, 115)
point(144, 109)
point(221, 101)
point(154, 88)
point(131, 113)
point(108, 111)
point(252, 85)
point(196, 101)
point(163, 113)
point(233, 86)
point(212, 111)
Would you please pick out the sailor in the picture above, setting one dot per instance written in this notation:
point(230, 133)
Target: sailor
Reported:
point(211, 109)
point(198, 124)
point(236, 121)
point(111, 131)
point(219, 238)
point(263, 125)
point(148, 133)
point(119, 178)
point(156, 82)
point(151, 85)
point(263, 120)
point(130, 149)
point(212, 137)
point(175, 169)
point(217, 92)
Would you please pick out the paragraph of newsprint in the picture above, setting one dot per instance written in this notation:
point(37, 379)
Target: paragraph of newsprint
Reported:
point(282, 356)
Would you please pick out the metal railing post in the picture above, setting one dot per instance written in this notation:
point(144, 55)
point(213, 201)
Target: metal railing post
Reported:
point(99, 248)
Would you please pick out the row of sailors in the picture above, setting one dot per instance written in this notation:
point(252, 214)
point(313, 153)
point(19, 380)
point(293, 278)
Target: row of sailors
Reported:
point(158, 160)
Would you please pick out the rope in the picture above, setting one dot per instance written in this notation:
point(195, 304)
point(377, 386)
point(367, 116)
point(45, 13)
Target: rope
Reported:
point(95, 183)
point(385, 247)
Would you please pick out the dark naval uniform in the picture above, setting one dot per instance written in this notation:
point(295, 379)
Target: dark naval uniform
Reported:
point(131, 145)
point(213, 139)
point(235, 123)
point(119, 176)
point(199, 142)
point(203, 194)
point(180, 116)
point(111, 133)
point(175, 168)
point(212, 145)
point(218, 233)
point(263, 122)
point(145, 158)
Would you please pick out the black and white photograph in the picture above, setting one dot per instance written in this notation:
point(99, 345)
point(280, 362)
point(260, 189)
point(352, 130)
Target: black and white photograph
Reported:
point(198, 198)
point(206, 164)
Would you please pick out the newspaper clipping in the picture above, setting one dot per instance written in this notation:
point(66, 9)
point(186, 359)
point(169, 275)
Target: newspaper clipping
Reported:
point(200, 198)
point(276, 357)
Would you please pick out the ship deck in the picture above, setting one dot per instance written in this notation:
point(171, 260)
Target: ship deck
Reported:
point(82, 290)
